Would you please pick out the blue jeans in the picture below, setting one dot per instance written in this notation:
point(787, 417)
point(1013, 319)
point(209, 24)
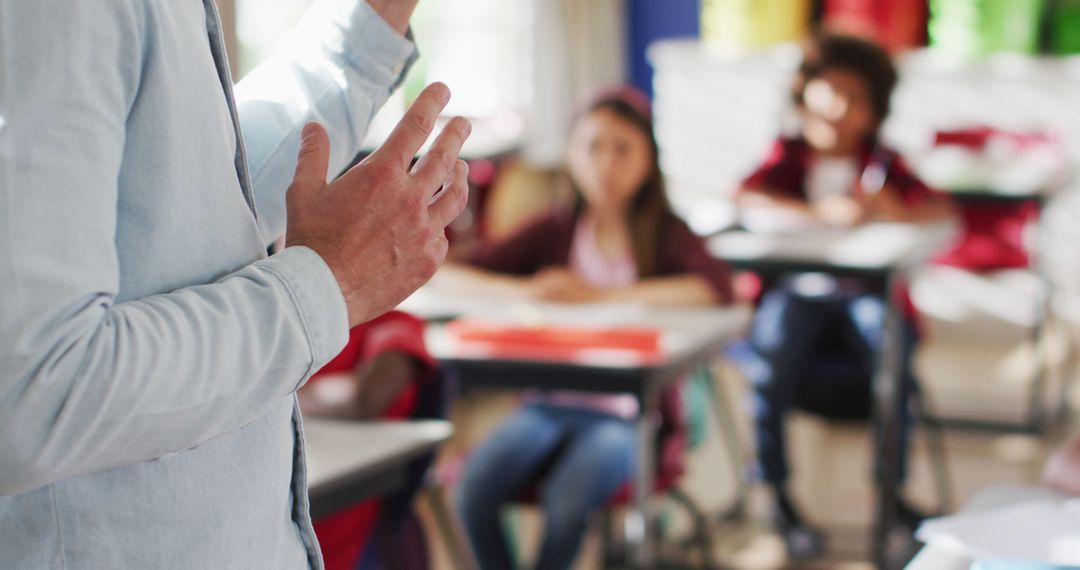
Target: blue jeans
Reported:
point(786, 337)
point(578, 457)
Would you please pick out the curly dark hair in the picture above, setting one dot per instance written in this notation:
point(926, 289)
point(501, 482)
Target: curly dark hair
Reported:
point(827, 51)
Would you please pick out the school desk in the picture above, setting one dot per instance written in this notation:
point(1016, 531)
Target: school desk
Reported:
point(688, 338)
point(881, 253)
point(937, 558)
point(349, 462)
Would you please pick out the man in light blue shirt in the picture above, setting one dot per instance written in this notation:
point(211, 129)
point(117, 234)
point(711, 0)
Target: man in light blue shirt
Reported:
point(149, 351)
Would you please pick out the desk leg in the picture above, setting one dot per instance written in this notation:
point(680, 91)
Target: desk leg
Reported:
point(725, 415)
point(886, 389)
point(638, 531)
point(1039, 417)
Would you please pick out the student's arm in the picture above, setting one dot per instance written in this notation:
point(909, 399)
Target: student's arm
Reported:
point(890, 206)
point(366, 392)
point(762, 197)
point(337, 68)
point(833, 211)
point(508, 268)
point(680, 290)
point(776, 185)
point(905, 198)
point(391, 355)
point(687, 276)
point(382, 380)
point(692, 273)
point(561, 285)
point(457, 278)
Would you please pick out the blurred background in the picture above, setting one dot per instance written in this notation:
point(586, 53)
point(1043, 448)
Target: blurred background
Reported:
point(989, 97)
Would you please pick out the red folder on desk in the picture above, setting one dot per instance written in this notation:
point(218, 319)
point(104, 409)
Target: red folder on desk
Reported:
point(559, 343)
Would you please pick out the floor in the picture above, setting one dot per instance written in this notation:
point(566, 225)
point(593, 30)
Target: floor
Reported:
point(832, 466)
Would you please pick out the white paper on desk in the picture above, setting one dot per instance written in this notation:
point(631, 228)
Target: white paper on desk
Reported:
point(769, 220)
point(429, 303)
point(1035, 531)
point(593, 314)
point(570, 315)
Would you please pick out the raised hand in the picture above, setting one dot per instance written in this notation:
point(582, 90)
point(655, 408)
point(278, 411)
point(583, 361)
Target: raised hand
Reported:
point(380, 226)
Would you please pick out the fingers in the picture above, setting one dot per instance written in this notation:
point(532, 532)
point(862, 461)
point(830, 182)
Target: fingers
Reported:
point(314, 158)
point(437, 165)
point(414, 128)
point(451, 201)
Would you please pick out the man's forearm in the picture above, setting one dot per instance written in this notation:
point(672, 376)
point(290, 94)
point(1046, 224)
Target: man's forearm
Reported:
point(396, 13)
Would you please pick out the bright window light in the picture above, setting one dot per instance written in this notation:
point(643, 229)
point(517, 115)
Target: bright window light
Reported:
point(481, 48)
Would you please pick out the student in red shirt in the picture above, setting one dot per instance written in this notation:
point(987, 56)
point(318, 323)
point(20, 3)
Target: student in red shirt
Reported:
point(377, 375)
point(837, 173)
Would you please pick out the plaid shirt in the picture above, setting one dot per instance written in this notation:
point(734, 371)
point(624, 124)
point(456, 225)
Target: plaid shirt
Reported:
point(785, 170)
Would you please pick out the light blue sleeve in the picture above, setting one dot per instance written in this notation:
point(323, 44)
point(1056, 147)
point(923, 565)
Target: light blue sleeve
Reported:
point(337, 67)
point(88, 383)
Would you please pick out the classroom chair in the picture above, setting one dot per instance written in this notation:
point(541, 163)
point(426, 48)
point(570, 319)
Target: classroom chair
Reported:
point(994, 242)
point(671, 448)
point(398, 542)
point(839, 390)
point(670, 455)
point(844, 380)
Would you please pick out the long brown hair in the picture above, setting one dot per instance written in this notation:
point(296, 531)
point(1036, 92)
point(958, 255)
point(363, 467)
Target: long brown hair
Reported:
point(650, 213)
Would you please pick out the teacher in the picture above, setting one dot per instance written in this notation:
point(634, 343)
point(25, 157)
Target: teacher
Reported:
point(149, 350)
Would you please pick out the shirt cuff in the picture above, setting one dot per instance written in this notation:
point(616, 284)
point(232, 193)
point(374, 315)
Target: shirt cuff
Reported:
point(318, 300)
point(356, 32)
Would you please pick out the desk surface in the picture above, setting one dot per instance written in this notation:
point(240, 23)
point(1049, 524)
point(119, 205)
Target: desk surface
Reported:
point(349, 455)
point(978, 194)
point(688, 340)
point(688, 336)
point(934, 558)
point(873, 248)
point(681, 331)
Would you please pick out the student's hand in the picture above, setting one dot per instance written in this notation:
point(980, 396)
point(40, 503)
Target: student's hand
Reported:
point(840, 211)
point(380, 226)
point(887, 206)
point(561, 285)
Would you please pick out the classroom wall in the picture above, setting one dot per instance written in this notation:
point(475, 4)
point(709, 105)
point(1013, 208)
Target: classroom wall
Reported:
point(651, 20)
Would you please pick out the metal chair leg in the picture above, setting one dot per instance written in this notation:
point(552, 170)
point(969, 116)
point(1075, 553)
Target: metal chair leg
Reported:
point(607, 543)
point(701, 525)
point(453, 536)
point(935, 443)
point(733, 444)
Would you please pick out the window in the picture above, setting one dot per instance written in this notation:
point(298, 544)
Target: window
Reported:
point(481, 48)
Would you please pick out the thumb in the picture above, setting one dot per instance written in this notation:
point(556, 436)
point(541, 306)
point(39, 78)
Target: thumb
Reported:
point(314, 159)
